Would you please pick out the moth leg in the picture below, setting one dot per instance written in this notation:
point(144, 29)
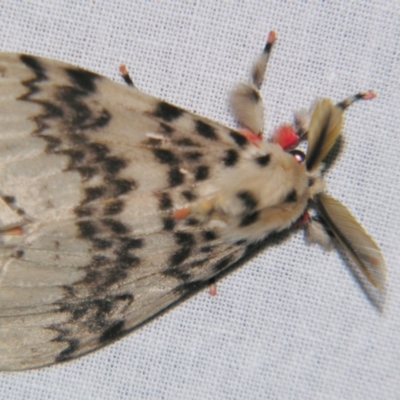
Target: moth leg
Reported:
point(288, 136)
point(352, 99)
point(16, 231)
point(260, 65)
point(245, 99)
point(212, 287)
point(11, 216)
point(316, 231)
point(125, 75)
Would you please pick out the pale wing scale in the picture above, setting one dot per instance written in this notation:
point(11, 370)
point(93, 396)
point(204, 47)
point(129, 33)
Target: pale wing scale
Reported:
point(355, 240)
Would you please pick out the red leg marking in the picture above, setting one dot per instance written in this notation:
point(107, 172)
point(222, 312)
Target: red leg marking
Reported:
point(286, 137)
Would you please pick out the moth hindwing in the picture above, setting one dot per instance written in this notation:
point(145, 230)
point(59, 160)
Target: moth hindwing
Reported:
point(115, 204)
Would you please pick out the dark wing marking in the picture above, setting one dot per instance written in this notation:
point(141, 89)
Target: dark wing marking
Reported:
point(94, 169)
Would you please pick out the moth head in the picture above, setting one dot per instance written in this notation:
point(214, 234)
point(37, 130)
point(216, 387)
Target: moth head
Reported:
point(325, 125)
point(321, 128)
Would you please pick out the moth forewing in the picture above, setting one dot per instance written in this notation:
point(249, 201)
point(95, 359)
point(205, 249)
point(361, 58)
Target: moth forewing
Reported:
point(354, 239)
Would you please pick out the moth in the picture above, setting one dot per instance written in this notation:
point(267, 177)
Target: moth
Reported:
point(115, 204)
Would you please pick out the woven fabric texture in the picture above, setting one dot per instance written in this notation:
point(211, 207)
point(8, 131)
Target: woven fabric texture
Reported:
point(292, 323)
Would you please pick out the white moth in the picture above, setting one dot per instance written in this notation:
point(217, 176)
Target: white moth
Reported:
point(115, 204)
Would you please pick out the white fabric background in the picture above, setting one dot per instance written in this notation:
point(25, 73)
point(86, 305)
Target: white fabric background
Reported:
point(293, 323)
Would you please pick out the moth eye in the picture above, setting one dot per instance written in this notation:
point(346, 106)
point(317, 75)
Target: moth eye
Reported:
point(298, 155)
